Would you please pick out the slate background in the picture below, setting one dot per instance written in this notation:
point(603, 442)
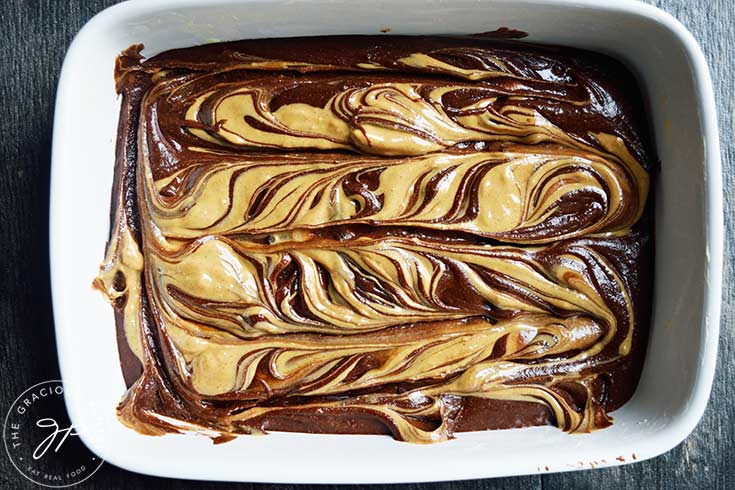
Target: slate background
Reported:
point(34, 35)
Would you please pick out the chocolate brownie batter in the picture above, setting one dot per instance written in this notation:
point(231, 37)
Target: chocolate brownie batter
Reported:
point(378, 234)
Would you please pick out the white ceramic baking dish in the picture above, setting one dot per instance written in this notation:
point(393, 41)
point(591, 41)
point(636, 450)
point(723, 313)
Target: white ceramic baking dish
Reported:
point(681, 356)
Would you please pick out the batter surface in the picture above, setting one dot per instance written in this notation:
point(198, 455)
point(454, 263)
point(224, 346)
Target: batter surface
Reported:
point(378, 234)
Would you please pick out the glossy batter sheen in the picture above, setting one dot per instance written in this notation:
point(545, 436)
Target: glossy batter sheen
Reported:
point(404, 235)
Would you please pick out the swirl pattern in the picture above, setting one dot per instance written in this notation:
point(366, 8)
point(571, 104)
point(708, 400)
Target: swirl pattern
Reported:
point(376, 235)
point(509, 195)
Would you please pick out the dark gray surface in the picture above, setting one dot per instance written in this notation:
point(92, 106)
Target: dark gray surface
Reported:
point(35, 35)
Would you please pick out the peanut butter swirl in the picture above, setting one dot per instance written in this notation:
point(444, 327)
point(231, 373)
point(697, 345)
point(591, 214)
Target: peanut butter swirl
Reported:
point(412, 235)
